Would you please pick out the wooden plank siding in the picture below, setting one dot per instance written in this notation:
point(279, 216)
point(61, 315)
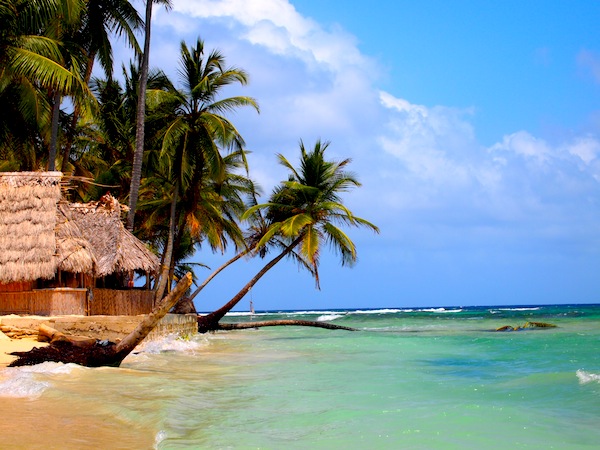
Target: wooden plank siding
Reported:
point(59, 301)
point(72, 301)
point(16, 286)
point(110, 302)
point(44, 302)
point(16, 302)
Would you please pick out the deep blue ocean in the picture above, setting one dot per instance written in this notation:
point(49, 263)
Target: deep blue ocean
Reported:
point(410, 378)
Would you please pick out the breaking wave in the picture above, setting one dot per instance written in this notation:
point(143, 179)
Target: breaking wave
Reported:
point(587, 377)
point(24, 382)
point(329, 317)
point(170, 343)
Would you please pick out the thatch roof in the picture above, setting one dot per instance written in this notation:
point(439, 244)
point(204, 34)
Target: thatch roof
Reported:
point(40, 234)
point(73, 252)
point(27, 221)
point(116, 249)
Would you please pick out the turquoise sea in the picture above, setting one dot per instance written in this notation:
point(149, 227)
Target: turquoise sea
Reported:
point(409, 379)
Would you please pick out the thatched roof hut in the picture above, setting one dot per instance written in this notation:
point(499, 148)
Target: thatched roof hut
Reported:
point(27, 223)
point(116, 249)
point(40, 234)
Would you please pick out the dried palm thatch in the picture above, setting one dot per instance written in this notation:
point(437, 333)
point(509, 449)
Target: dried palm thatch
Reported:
point(115, 248)
point(73, 252)
point(40, 234)
point(27, 222)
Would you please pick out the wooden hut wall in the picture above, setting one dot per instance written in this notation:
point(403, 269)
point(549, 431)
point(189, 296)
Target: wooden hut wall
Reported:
point(44, 302)
point(16, 302)
point(110, 302)
point(60, 301)
point(17, 286)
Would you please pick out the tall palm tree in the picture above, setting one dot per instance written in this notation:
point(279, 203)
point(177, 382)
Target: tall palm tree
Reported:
point(305, 211)
point(136, 174)
point(196, 134)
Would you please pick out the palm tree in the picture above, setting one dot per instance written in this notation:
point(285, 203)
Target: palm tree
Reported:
point(192, 143)
point(100, 19)
point(304, 211)
point(25, 52)
point(32, 64)
point(136, 174)
point(104, 147)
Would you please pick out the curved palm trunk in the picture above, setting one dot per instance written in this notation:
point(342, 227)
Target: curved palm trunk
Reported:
point(147, 325)
point(136, 173)
point(217, 271)
point(210, 322)
point(277, 323)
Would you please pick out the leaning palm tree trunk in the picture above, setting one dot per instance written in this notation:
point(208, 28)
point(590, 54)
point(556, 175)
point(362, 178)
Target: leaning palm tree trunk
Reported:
point(217, 271)
point(186, 305)
point(210, 322)
point(95, 353)
point(147, 325)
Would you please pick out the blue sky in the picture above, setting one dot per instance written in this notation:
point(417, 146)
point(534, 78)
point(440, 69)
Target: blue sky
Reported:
point(474, 127)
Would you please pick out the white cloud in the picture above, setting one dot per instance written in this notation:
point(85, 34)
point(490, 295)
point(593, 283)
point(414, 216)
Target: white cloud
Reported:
point(422, 166)
point(277, 26)
point(524, 144)
point(586, 148)
point(431, 142)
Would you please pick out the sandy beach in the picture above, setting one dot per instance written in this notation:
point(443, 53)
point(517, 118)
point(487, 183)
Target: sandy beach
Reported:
point(8, 345)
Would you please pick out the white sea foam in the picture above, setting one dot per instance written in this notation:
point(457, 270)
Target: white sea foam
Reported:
point(308, 313)
point(516, 309)
point(170, 343)
point(587, 377)
point(380, 311)
point(439, 310)
point(328, 317)
point(243, 314)
point(23, 382)
point(160, 436)
point(22, 385)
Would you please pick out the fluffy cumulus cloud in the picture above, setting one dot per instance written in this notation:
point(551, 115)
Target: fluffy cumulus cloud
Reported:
point(523, 187)
point(276, 25)
point(421, 165)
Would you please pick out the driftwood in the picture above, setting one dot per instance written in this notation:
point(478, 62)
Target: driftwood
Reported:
point(94, 352)
point(49, 334)
point(276, 323)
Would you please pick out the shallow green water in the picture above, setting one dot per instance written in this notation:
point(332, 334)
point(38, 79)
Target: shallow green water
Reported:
point(410, 379)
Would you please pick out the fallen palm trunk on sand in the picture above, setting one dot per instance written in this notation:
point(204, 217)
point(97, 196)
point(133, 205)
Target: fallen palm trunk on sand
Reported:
point(277, 323)
point(94, 352)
